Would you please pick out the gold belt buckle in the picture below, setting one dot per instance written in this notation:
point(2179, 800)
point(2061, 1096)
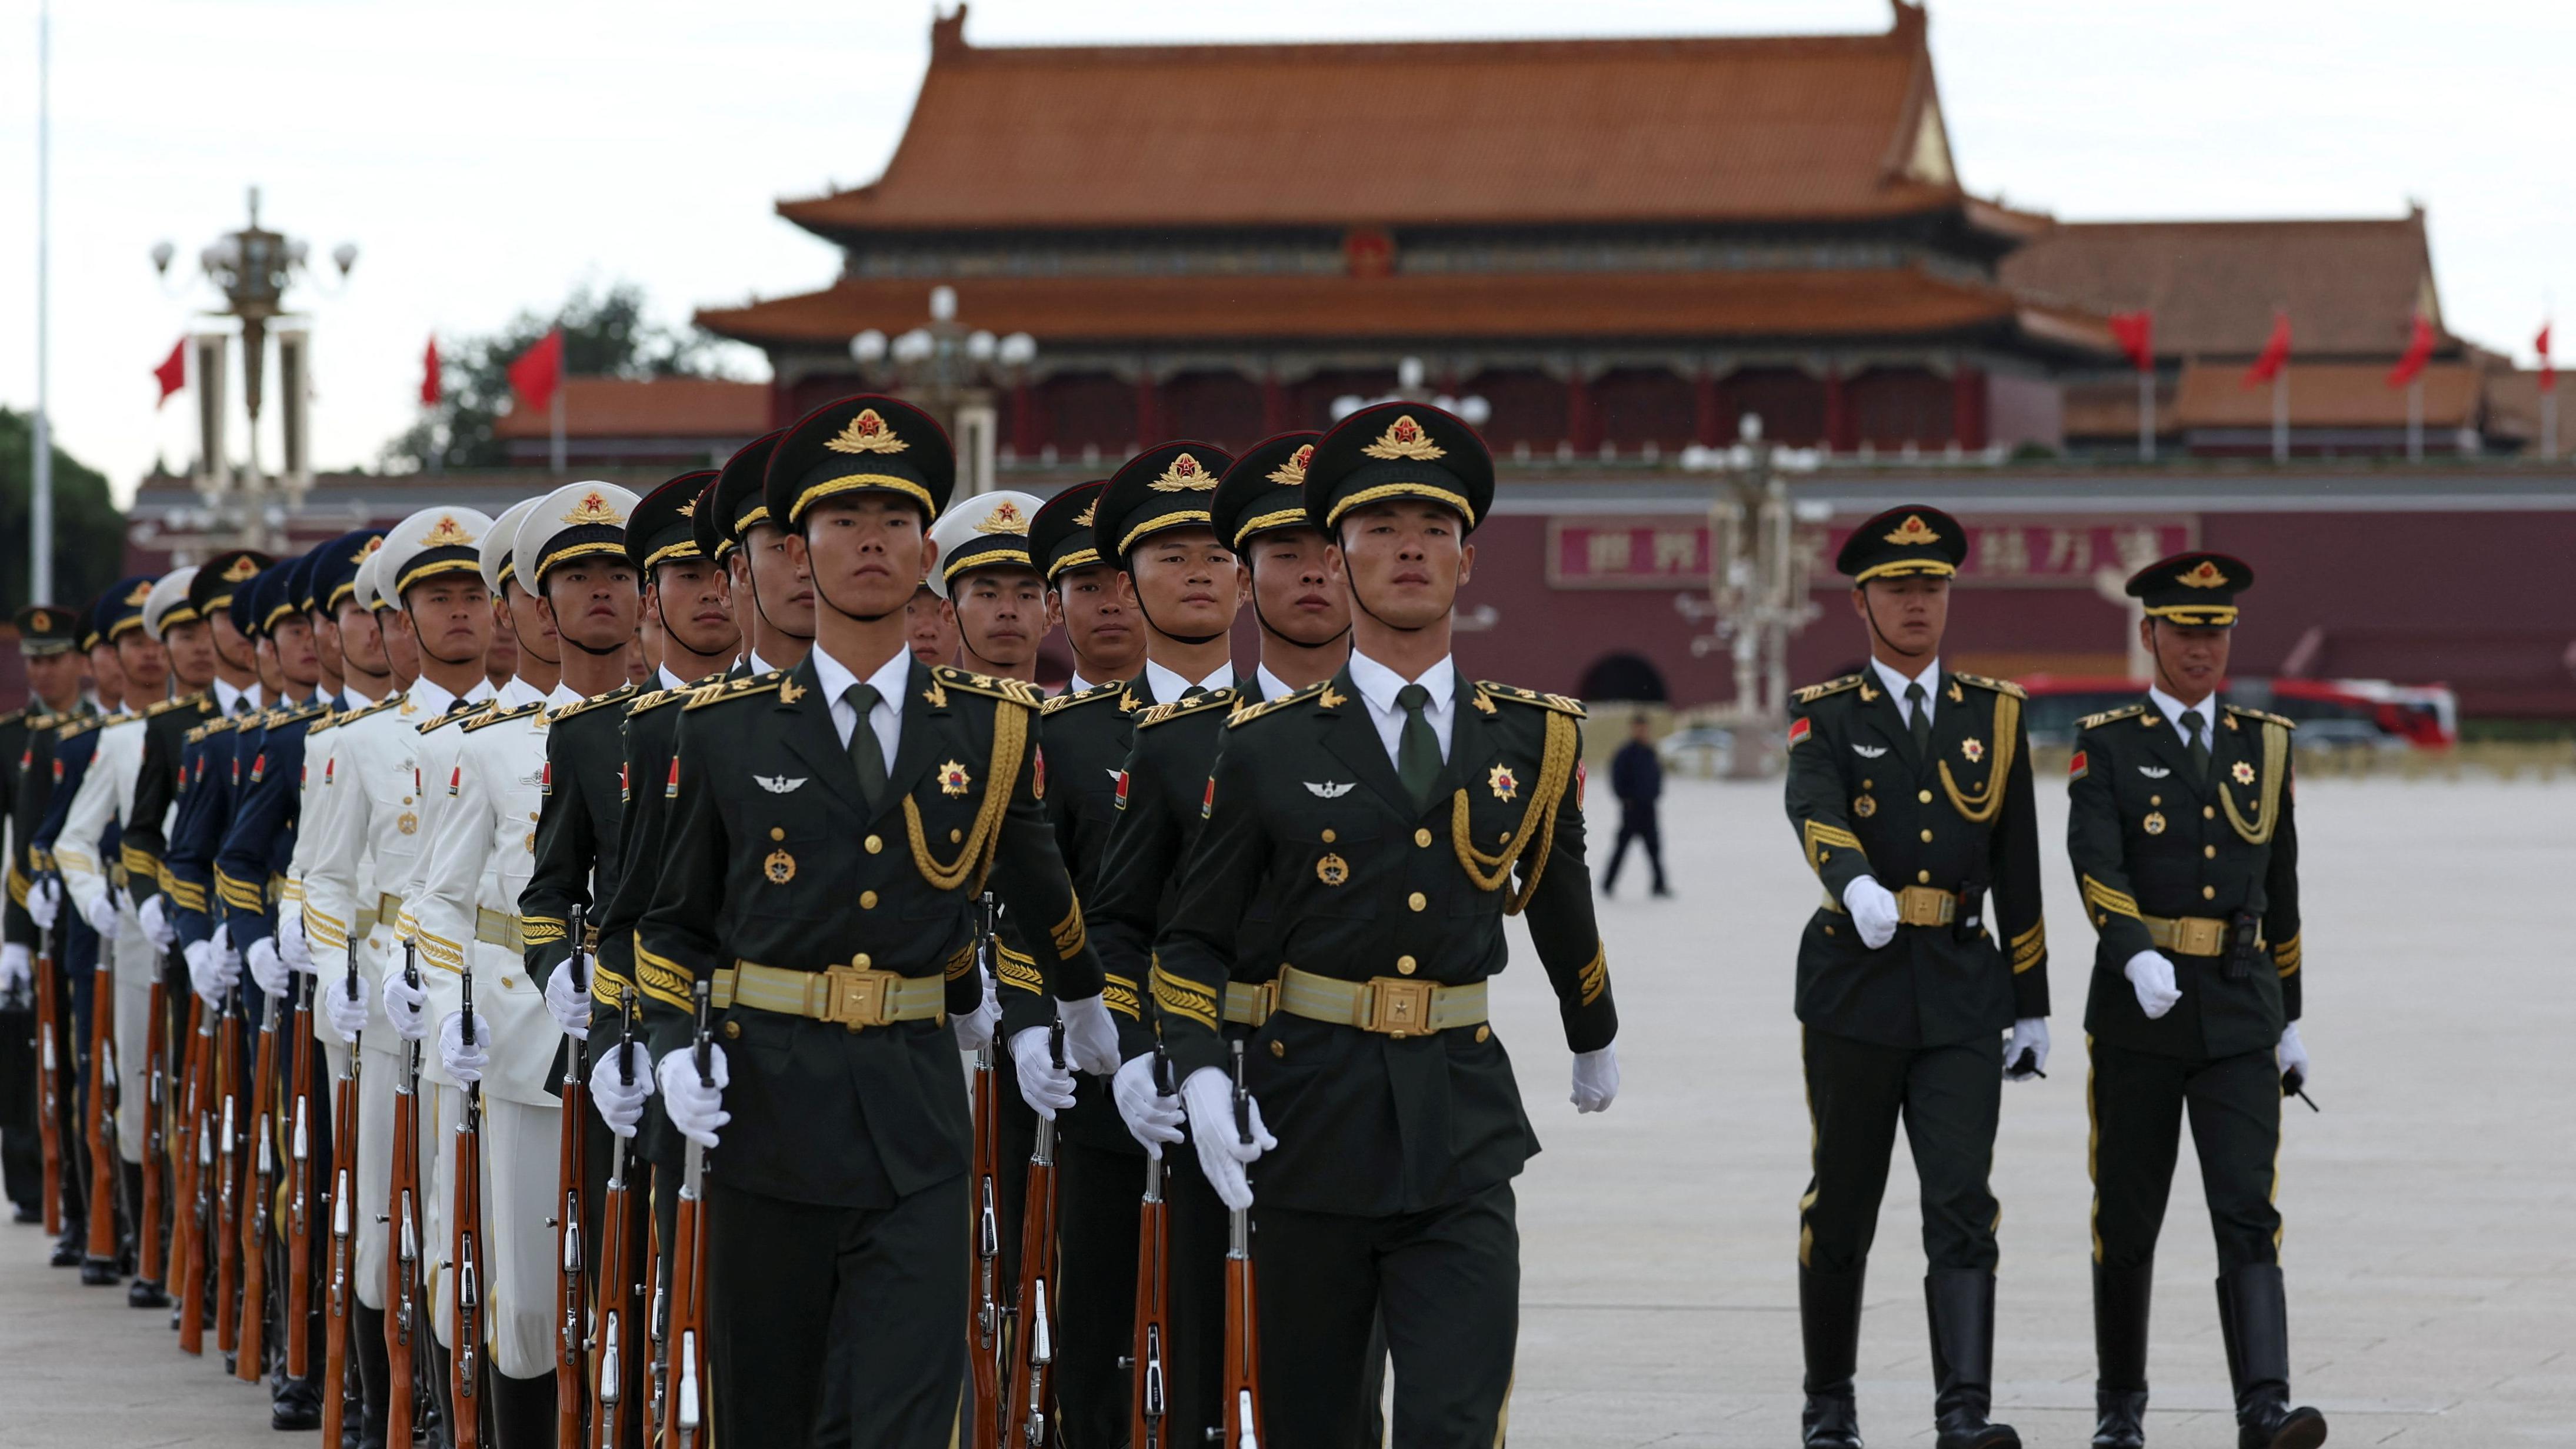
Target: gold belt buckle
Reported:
point(1924, 906)
point(1397, 1007)
point(857, 997)
point(2199, 936)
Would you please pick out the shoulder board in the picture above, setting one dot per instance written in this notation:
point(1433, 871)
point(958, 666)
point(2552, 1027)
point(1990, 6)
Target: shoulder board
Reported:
point(72, 729)
point(2265, 716)
point(620, 695)
point(653, 698)
point(1014, 690)
point(1195, 704)
point(1562, 704)
point(1111, 690)
point(1251, 712)
point(1999, 686)
point(2095, 721)
point(218, 725)
point(1814, 692)
point(185, 701)
point(461, 717)
point(298, 716)
point(706, 694)
point(390, 701)
point(13, 717)
point(487, 718)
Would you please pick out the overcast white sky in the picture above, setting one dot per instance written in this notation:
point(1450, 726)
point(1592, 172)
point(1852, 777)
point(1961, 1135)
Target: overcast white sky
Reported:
point(487, 155)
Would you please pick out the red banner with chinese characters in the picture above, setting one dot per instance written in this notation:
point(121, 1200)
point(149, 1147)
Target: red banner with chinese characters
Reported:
point(1672, 552)
point(1627, 553)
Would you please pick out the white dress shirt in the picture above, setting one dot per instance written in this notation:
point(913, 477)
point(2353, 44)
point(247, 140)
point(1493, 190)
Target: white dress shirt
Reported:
point(357, 695)
point(670, 680)
point(228, 699)
point(1378, 685)
point(2173, 710)
point(1077, 684)
point(835, 678)
point(1896, 683)
point(759, 665)
point(1272, 686)
point(1170, 684)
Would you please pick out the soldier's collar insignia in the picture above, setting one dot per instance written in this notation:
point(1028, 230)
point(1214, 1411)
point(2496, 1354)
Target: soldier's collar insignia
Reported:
point(1331, 700)
point(1957, 695)
point(242, 568)
point(1185, 475)
point(1405, 438)
point(446, 533)
point(953, 779)
point(1292, 473)
point(593, 508)
point(869, 432)
point(2207, 576)
point(1504, 784)
point(1913, 531)
point(936, 696)
point(1006, 517)
point(789, 691)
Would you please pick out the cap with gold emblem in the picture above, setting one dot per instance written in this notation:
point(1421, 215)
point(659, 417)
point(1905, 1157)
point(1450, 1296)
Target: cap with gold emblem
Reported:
point(336, 565)
point(663, 528)
point(2196, 590)
point(119, 611)
point(740, 499)
point(987, 531)
point(576, 521)
point(220, 576)
point(499, 547)
point(1060, 536)
point(1914, 541)
point(707, 525)
point(1399, 450)
point(1165, 487)
point(167, 606)
point(46, 629)
point(272, 594)
point(863, 444)
point(1265, 489)
point(299, 582)
point(364, 588)
point(430, 543)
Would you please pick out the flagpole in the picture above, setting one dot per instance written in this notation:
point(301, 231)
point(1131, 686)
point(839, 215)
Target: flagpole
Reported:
point(2281, 414)
point(2549, 425)
point(555, 410)
point(2415, 419)
point(2146, 416)
point(40, 502)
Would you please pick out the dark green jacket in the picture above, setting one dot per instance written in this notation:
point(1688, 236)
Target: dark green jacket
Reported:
point(577, 859)
point(2149, 838)
point(156, 786)
point(1865, 801)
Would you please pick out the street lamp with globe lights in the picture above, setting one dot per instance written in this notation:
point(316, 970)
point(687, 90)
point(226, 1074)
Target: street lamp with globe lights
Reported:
point(952, 370)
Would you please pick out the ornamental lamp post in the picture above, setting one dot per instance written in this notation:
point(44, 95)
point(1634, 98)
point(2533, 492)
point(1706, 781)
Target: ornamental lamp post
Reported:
point(1761, 556)
point(952, 371)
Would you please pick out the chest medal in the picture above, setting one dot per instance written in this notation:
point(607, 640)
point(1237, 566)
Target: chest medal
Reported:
point(2154, 824)
point(953, 779)
point(1973, 748)
point(1504, 784)
point(1332, 870)
point(780, 867)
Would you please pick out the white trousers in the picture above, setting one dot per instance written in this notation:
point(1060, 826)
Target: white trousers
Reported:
point(518, 1248)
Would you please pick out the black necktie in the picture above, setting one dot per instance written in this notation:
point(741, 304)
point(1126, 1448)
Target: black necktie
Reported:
point(1417, 750)
point(1194, 691)
point(1919, 712)
point(866, 755)
point(2195, 734)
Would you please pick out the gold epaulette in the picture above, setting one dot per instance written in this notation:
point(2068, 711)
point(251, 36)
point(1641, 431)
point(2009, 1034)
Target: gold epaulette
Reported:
point(1561, 703)
point(653, 699)
point(185, 701)
point(2095, 721)
point(1251, 712)
point(1111, 690)
point(352, 716)
point(298, 716)
point(1814, 692)
point(75, 728)
point(2265, 716)
point(707, 694)
point(1018, 691)
point(1195, 704)
point(201, 733)
point(1999, 686)
point(619, 695)
point(460, 717)
point(490, 717)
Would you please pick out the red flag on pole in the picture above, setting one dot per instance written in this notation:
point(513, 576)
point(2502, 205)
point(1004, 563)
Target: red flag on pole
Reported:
point(2276, 353)
point(172, 374)
point(539, 371)
point(2136, 333)
point(2419, 350)
point(2548, 369)
point(431, 388)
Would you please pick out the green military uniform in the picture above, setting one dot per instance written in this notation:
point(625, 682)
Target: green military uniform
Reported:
point(2192, 855)
point(42, 629)
point(1942, 819)
point(1398, 1117)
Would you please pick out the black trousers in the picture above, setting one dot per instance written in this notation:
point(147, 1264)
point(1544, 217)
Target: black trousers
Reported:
point(1640, 826)
point(1948, 1097)
point(837, 1326)
point(1098, 1193)
point(1447, 1284)
point(2138, 1101)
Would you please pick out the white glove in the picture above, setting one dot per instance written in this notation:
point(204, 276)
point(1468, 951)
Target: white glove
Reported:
point(2153, 976)
point(406, 1006)
point(1596, 1080)
point(1873, 911)
point(293, 947)
point(2293, 1055)
point(348, 1015)
point(1223, 1154)
point(45, 903)
point(212, 969)
point(2028, 1034)
point(1046, 1087)
point(17, 967)
point(155, 915)
point(567, 1003)
point(268, 968)
point(464, 1062)
point(1090, 1037)
point(1151, 1117)
point(101, 913)
point(975, 1028)
point(694, 1107)
point(621, 1106)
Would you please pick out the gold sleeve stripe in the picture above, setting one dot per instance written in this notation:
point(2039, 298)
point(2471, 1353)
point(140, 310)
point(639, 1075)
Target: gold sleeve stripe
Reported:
point(1821, 838)
point(17, 886)
point(241, 895)
point(1594, 978)
point(324, 933)
point(2108, 902)
point(1020, 972)
point(441, 952)
point(2038, 932)
point(537, 931)
point(607, 988)
point(75, 859)
point(1069, 933)
point(289, 890)
point(2286, 956)
point(1184, 998)
point(2029, 948)
point(1121, 996)
point(961, 961)
point(189, 895)
point(661, 978)
point(138, 860)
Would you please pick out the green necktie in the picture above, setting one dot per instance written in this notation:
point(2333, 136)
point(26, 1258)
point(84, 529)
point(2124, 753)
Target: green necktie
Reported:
point(1919, 717)
point(2195, 733)
point(867, 756)
point(1417, 750)
point(1194, 691)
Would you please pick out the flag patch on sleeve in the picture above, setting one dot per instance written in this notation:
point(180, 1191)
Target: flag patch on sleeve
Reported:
point(2075, 766)
point(1799, 729)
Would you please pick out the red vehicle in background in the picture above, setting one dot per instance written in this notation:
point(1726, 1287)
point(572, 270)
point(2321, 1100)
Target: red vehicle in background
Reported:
point(2368, 712)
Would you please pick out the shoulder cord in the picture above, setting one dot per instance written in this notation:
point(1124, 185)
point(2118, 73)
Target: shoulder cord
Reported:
point(1982, 806)
point(975, 856)
point(1537, 832)
point(2276, 758)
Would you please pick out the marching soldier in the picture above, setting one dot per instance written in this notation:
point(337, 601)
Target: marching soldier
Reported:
point(53, 666)
point(2184, 835)
point(1084, 592)
point(834, 1246)
point(762, 567)
point(1383, 817)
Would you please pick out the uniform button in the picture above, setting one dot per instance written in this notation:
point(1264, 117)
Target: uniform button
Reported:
point(862, 961)
point(2208, 812)
point(955, 836)
point(874, 843)
point(507, 982)
point(1330, 837)
point(1927, 837)
point(2208, 893)
point(1923, 796)
point(1404, 965)
point(733, 1029)
point(1422, 837)
point(1923, 877)
point(1484, 1033)
point(2209, 852)
point(1829, 930)
point(1417, 900)
point(406, 799)
point(1278, 1048)
point(867, 900)
point(1868, 784)
point(777, 833)
point(2155, 799)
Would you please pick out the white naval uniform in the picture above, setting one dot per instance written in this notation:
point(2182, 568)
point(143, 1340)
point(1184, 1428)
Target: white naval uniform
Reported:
point(466, 911)
point(106, 797)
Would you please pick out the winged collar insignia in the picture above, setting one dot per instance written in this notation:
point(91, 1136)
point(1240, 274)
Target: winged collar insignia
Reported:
point(1330, 789)
point(779, 784)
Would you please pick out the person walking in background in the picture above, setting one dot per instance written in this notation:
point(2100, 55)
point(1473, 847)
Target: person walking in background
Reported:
point(1637, 778)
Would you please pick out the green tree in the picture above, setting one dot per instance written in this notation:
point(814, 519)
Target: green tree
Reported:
point(89, 534)
point(606, 334)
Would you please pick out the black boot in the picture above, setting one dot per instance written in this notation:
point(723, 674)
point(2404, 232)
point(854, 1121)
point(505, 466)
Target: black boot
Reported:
point(441, 1388)
point(71, 1249)
point(1961, 1304)
point(2120, 1298)
point(144, 1293)
point(375, 1375)
point(523, 1410)
point(294, 1404)
point(1829, 1321)
point(2254, 1318)
point(100, 1273)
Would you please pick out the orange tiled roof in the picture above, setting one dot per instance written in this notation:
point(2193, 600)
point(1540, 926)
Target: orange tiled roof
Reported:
point(1884, 302)
point(661, 407)
point(1806, 127)
point(2322, 395)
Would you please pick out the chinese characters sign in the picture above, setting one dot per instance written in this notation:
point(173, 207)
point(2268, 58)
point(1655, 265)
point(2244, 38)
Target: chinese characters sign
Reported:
point(1627, 553)
point(2007, 552)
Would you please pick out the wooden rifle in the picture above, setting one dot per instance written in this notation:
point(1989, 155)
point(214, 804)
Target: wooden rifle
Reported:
point(1032, 1383)
point(50, 1047)
point(571, 1361)
point(985, 1338)
point(150, 1264)
point(227, 1123)
point(105, 1187)
point(619, 1286)
point(1242, 1406)
point(251, 1362)
point(343, 1207)
point(299, 1185)
point(403, 1321)
point(196, 1175)
point(465, 1270)
point(685, 1406)
point(1149, 1401)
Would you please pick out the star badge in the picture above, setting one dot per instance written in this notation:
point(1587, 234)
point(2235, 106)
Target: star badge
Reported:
point(1505, 786)
point(2243, 772)
point(953, 779)
point(1973, 748)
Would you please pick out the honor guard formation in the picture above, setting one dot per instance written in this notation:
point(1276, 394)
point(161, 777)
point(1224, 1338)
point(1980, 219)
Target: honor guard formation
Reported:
point(658, 970)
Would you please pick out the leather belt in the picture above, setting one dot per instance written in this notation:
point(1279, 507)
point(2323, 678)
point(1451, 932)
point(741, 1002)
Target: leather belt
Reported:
point(497, 928)
point(2188, 935)
point(850, 995)
point(1393, 1006)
